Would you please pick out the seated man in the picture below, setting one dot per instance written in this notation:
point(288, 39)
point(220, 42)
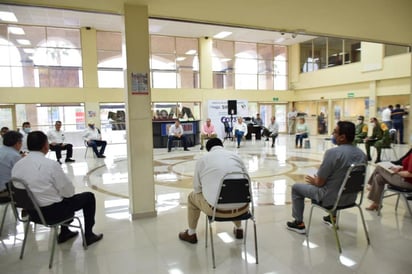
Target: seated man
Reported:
point(239, 130)
point(361, 131)
point(209, 170)
point(324, 186)
point(9, 155)
point(380, 139)
point(176, 133)
point(53, 189)
point(57, 144)
point(208, 132)
point(272, 130)
point(25, 130)
point(94, 139)
point(3, 131)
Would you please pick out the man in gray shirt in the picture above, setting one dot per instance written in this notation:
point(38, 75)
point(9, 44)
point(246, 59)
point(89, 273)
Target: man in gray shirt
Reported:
point(9, 155)
point(324, 186)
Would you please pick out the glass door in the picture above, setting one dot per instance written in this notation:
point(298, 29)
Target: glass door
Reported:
point(278, 110)
point(7, 116)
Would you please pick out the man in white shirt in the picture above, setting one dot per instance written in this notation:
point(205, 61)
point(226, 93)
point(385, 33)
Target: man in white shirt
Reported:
point(386, 116)
point(3, 131)
point(53, 189)
point(176, 132)
point(272, 130)
point(239, 130)
point(57, 144)
point(209, 170)
point(94, 139)
point(25, 129)
point(292, 121)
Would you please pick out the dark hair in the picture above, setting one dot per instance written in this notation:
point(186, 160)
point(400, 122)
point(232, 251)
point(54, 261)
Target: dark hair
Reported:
point(60, 122)
point(348, 129)
point(213, 142)
point(25, 124)
point(398, 105)
point(10, 138)
point(36, 140)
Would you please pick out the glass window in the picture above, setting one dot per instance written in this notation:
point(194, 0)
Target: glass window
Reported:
point(110, 61)
point(171, 110)
point(335, 52)
point(222, 64)
point(395, 50)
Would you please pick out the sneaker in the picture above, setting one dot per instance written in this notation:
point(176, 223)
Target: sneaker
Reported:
point(327, 221)
point(184, 236)
point(238, 232)
point(297, 227)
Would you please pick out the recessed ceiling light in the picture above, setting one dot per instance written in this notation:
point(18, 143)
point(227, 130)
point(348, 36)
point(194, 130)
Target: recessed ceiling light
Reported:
point(24, 42)
point(8, 16)
point(222, 34)
point(191, 52)
point(28, 50)
point(180, 58)
point(280, 40)
point(16, 30)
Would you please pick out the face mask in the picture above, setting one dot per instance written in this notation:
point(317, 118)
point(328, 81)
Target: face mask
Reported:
point(333, 140)
point(26, 129)
point(359, 122)
point(92, 126)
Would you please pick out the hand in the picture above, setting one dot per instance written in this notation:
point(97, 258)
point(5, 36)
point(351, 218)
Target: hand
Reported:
point(395, 169)
point(309, 179)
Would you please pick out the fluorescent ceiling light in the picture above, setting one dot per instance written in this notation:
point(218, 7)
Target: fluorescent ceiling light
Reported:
point(222, 34)
point(180, 58)
point(280, 40)
point(16, 30)
point(8, 16)
point(28, 50)
point(191, 52)
point(24, 42)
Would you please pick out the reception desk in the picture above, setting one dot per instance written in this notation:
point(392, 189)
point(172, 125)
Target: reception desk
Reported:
point(161, 130)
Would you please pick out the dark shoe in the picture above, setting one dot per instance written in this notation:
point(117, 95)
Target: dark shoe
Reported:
point(68, 160)
point(377, 161)
point(58, 160)
point(168, 150)
point(397, 163)
point(327, 221)
point(101, 156)
point(238, 232)
point(66, 236)
point(267, 139)
point(201, 148)
point(93, 238)
point(24, 213)
point(369, 158)
point(238, 146)
point(297, 227)
point(184, 236)
point(186, 149)
point(273, 145)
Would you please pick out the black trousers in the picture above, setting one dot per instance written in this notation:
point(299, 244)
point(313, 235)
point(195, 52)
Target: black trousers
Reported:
point(68, 206)
point(58, 149)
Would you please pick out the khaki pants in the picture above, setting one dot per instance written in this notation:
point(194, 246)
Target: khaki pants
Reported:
point(204, 136)
point(196, 203)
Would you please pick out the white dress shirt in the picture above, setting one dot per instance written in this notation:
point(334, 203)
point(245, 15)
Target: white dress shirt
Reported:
point(211, 168)
point(92, 134)
point(386, 115)
point(45, 178)
point(173, 130)
point(240, 127)
point(55, 136)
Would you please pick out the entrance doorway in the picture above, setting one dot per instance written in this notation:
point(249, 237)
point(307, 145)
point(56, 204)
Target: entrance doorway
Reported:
point(278, 110)
point(8, 116)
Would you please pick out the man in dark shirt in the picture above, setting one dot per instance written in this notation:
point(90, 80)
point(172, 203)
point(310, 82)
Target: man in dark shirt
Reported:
point(397, 118)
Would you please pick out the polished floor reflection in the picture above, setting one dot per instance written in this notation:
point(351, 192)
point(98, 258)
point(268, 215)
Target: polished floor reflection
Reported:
point(151, 245)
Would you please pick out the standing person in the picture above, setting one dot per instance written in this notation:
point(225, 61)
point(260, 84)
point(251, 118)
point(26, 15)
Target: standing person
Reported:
point(176, 132)
point(321, 123)
point(26, 129)
point(57, 144)
point(53, 189)
point(272, 130)
point(361, 130)
point(258, 121)
point(209, 171)
point(380, 138)
point(208, 132)
point(324, 186)
point(386, 116)
point(3, 131)
point(292, 115)
point(93, 137)
point(400, 176)
point(302, 131)
point(397, 118)
point(239, 130)
point(9, 155)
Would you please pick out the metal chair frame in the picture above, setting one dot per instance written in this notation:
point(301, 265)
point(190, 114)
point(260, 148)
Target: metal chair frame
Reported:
point(22, 197)
point(352, 186)
point(234, 187)
point(405, 193)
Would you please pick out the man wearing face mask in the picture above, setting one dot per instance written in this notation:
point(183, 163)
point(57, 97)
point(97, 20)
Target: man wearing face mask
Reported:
point(94, 140)
point(361, 130)
point(26, 129)
point(380, 138)
point(324, 186)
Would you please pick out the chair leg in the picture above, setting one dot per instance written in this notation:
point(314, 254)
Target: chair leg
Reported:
point(245, 234)
point(212, 245)
point(308, 227)
point(256, 244)
point(206, 231)
point(405, 198)
point(54, 240)
point(364, 225)
point(335, 229)
point(26, 229)
point(397, 201)
point(6, 207)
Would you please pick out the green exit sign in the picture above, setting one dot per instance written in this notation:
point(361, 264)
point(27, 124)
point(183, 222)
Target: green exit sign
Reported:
point(351, 94)
point(275, 99)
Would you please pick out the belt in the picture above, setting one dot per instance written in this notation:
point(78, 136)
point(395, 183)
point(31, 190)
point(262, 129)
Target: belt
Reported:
point(230, 211)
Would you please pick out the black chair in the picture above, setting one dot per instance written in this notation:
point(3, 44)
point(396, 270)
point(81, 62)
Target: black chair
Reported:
point(228, 131)
point(5, 202)
point(235, 187)
point(22, 197)
point(350, 195)
point(405, 193)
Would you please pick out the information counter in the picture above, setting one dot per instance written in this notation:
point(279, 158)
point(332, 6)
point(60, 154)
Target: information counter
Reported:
point(161, 130)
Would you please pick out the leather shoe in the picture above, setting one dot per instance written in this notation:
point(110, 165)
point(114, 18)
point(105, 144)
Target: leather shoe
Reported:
point(58, 160)
point(101, 156)
point(186, 149)
point(68, 160)
point(66, 236)
point(93, 238)
point(238, 232)
point(184, 236)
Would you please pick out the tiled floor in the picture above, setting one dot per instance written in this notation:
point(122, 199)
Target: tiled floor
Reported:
point(151, 245)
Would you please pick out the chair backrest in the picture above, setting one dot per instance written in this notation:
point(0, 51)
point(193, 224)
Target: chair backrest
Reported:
point(22, 197)
point(227, 126)
point(234, 188)
point(352, 185)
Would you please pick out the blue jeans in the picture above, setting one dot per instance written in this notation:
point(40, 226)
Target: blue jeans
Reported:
point(97, 143)
point(299, 138)
point(239, 134)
